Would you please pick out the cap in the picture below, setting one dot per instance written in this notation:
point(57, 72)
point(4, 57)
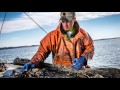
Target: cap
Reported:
point(67, 15)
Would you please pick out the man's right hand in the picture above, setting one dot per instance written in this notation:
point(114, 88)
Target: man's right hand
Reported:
point(29, 65)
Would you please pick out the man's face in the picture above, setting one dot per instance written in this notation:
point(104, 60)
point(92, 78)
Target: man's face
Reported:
point(67, 25)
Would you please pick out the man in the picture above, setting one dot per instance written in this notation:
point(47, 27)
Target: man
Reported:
point(70, 45)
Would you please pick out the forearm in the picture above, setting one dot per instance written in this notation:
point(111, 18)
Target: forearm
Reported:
point(88, 52)
point(41, 54)
point(37, 58)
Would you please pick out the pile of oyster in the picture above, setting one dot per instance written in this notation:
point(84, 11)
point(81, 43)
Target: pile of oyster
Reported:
point(2, 66)
point(56, 71)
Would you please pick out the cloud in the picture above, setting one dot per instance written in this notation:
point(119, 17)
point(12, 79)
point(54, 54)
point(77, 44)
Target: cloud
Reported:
point(92, 15)
point(45, 18)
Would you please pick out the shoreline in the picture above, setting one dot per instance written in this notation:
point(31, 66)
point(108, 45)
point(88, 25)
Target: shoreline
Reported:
point(2, 48)
point(18, 47)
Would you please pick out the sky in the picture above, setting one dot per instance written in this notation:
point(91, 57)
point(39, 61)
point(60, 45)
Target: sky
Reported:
point(19, 30)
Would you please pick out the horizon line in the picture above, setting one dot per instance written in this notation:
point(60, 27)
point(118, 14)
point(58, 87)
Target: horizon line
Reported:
point(10, 47)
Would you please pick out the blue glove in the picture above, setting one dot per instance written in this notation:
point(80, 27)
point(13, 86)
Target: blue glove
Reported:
point(78, 62)
point(28, 66)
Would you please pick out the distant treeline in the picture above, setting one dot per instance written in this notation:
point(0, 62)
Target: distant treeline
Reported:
point(38, 45)
point(17, 47)
point(106, 38)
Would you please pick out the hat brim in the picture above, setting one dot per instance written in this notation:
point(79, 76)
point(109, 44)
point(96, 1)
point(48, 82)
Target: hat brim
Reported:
point(66, 19)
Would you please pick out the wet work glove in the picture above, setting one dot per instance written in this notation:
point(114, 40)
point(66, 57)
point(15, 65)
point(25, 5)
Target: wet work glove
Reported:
point(28, 65)
point(79, 62)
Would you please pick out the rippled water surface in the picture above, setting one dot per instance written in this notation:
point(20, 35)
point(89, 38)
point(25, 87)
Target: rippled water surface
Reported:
point(107, 53)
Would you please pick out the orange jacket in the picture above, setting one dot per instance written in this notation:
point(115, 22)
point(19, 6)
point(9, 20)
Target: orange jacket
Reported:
point(64, 50)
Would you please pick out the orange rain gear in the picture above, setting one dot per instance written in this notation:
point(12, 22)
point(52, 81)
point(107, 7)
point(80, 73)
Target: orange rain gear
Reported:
point(64, 50)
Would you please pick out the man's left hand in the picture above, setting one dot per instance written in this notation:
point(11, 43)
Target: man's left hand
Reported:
point(78, 63)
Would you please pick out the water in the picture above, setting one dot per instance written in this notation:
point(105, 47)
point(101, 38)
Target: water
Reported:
point(107, 54)
point(25, 52)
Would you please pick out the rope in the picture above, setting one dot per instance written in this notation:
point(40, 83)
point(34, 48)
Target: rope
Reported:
point(3, 22)
point(35, 22)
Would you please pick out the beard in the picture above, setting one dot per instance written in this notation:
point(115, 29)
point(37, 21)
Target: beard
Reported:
point(62, 29)
point(68, 33)
point(72, 32)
